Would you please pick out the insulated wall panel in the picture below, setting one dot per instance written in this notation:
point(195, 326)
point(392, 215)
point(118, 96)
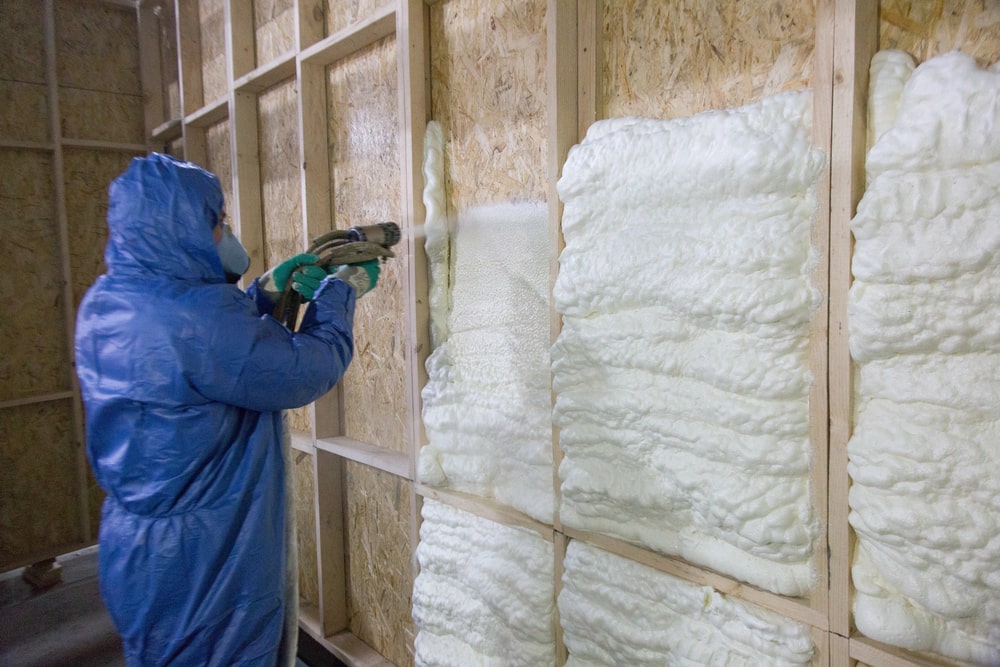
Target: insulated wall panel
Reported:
point(484, 595)
point(617, 612)
point(923, 313)
point(681, 373)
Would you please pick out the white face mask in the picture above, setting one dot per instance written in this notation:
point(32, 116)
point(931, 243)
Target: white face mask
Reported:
point(235, 260)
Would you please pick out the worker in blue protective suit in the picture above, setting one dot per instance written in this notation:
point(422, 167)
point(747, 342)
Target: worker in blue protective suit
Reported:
point(183, 377)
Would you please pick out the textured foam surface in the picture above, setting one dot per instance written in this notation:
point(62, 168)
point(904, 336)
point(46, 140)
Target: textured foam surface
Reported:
point(617, 612)
point(925, 333)
point(487, 401)
point(484, 595)
point(681, 370)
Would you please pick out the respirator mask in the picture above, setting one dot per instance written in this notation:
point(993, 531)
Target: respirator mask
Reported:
point(235, 261)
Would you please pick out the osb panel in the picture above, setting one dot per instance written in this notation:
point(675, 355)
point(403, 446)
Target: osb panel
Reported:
point(220, 160)
point(339, 15)
point(674, 59)
point(97, 47)
point(38, 485)
point(101, 116)
point(281, 197)
point(925, 29)
point(488, 92)
point(169, 77)
point(32, 324)
point(274, 28)
point(23, 99)
point(305, 524)
point(24, 112)
point(175, 148)
point(365, 172)
point(211, 18)
point(379, 576)
point(88, 175)
point(22, 41)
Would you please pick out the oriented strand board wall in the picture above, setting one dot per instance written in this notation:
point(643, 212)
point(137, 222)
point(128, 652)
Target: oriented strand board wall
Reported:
point(926, 29)
point(305, 524)
point(274, 28)
point(488, 92)
point(33, 338)
point(219, 159)
point(23, 98)
point(674, 59)
point(338, 15)
point(98, 72)
point(364, 168)
point(377, 523)
point(38, 491)
point(211, 19)
point(88, 174)
point(281, 200)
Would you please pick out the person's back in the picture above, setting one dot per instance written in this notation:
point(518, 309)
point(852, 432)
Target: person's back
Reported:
point(183, 378)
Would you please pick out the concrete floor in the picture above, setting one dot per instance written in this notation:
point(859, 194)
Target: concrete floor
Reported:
point(67, 624)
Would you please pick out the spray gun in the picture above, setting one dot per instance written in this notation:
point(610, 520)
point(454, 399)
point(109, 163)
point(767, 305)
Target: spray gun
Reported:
point(351, 246)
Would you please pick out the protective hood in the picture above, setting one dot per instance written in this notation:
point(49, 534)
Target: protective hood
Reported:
point(160, 218)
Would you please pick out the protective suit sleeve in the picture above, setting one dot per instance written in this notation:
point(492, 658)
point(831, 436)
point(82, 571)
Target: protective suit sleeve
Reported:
point(256, 363)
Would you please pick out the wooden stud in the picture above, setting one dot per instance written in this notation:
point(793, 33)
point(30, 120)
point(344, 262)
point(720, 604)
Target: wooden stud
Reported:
point(591, 63)
point(381, 458)
point(878, 654)
point(855, 26)
point(86, 533)
point(486, 509)
point(412, 42)
point(822, 122)
point(240, 38)
point(354, 38)
point(309, 24)
point(150, 70)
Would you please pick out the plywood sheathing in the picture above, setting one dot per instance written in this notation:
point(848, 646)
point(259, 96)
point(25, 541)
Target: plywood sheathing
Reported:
point(211, 18)
point(23, 98)
point(219, 160)
point(274, 28)
point(280, 197)
point(362, 101)
point(305, 526)
point(38, 480)
point(675, 59)
point(98, 72)
point(87, 175)
point(925, 29)
point(488, 92)
point(378, 561)
point(35, 358)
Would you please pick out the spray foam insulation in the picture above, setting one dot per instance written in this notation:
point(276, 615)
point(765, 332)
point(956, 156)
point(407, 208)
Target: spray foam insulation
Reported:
point(618, 612)
point(924, 312)
point(484, 595)
point(681, 371)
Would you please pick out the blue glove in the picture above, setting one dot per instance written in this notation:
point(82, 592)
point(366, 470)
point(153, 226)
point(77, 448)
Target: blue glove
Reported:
point(307, 280)
point(281, 273)
point(362, 277)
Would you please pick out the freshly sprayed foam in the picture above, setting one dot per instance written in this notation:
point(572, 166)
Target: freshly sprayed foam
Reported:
point(487, 401)
point(617, 612)
point(681, 369)
point(484, 595)
point(925, 332)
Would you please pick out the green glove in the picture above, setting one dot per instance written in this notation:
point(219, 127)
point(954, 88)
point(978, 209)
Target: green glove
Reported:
point(362, 277)
point(306, 280)
point(281, 273)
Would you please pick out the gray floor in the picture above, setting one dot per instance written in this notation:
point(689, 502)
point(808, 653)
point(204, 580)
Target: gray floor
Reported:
point(66, 625)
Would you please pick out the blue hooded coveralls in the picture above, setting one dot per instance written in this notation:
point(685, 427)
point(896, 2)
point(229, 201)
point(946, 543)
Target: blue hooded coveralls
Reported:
point(183, 379)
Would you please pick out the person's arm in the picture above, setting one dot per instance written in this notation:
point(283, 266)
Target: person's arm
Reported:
point(257, 363)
